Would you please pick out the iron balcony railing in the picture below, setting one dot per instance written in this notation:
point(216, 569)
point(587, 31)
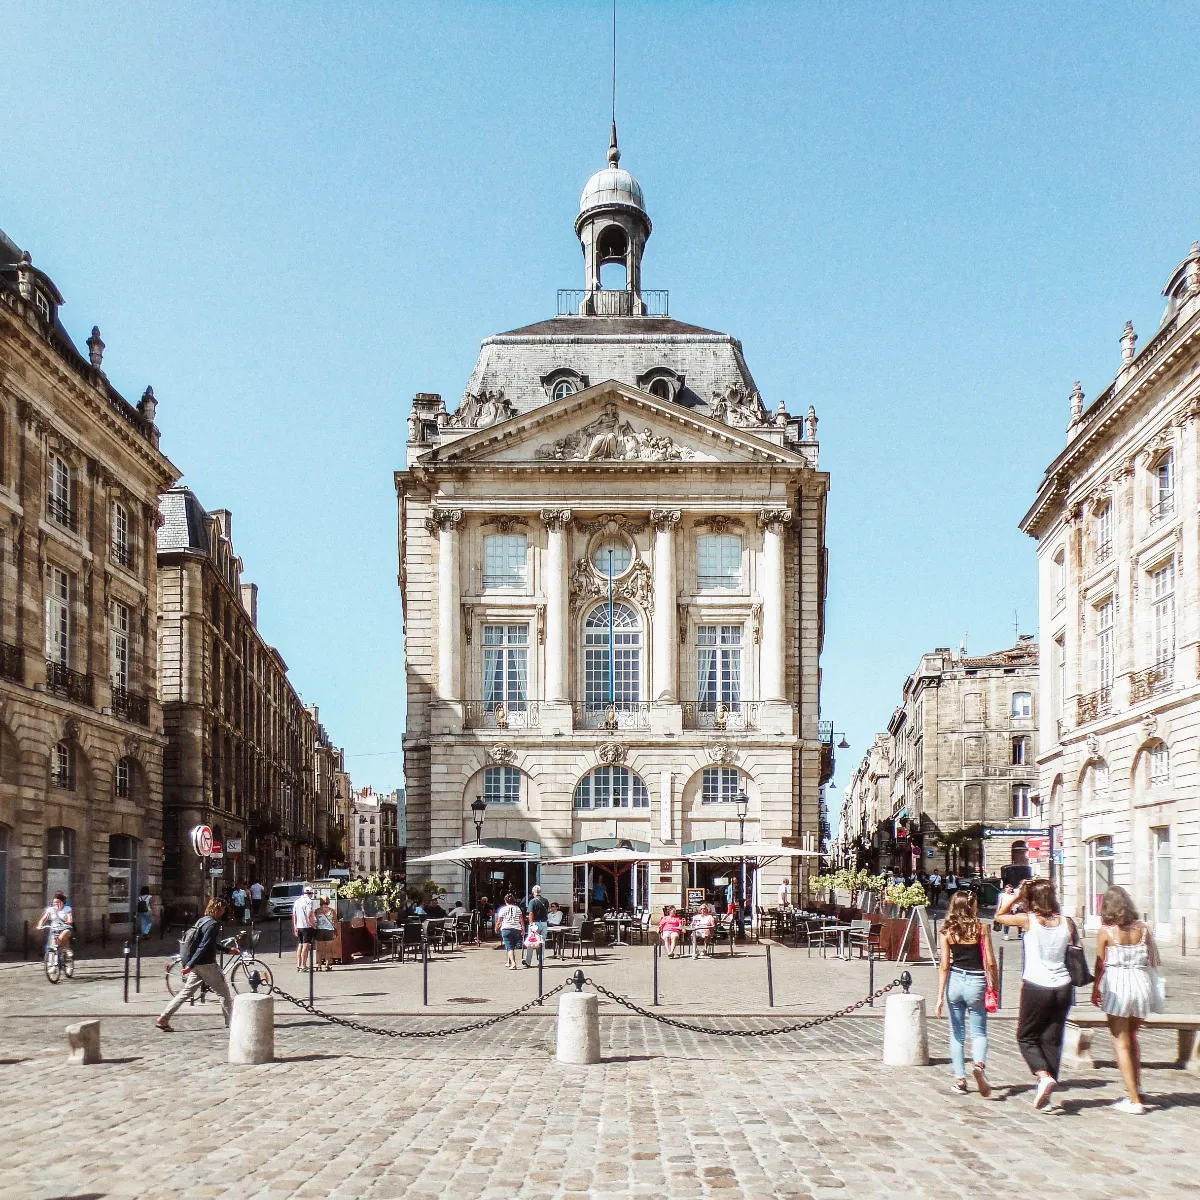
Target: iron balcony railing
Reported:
point(619, 714)
point(12, 663)
point(1093, 705)
point(122, 555)
point(72, 684)
point(1151, 681)
point(720, 716)
point(611, 302)
point(1104, 551)
point(60, 513)
point(501, 714)
point(130, 707)
point(1163, 509)
point(1060, 600)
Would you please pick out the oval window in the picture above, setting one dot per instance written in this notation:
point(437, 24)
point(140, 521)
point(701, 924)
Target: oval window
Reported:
point(621, 556)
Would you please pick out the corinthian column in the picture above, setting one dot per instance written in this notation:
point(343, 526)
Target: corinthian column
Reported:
point(666, 621)
point(557, 520)
point(446, 522)
point(771, 649)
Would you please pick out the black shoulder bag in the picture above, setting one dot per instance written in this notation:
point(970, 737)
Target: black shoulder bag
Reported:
point(1075, 958)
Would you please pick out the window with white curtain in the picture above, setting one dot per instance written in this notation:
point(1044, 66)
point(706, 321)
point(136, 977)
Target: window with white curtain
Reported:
point(506, 665)
point(719, 666)
point(1163, 591)
point(1022, 704)
point(1160, 763)
point(1020, 800)
point(58, 617)
point(502, 785)
point(504, 561)
point(611, 787)
point(718, 561)
point(119, 647)
point(1104, 644)
point(626, 680)
point(1164, 487)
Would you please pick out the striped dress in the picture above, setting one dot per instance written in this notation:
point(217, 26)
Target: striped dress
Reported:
point(1128, 982)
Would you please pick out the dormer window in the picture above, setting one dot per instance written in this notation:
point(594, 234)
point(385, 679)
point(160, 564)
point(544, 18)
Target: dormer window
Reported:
point(42, 303)
point(661, 382)
point(563, 382)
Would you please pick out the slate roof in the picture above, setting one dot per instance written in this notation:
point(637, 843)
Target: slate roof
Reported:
point(184, 522)
point(620, 348)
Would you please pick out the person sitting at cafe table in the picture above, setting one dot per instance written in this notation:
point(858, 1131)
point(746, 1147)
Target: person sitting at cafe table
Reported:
point(670, 930)
point(434, 909)
point(704, 925)
point(556, 914)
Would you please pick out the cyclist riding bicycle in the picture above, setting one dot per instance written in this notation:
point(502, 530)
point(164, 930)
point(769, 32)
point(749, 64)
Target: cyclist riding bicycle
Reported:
point(61, 922)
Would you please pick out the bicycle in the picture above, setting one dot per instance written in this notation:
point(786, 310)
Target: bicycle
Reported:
point(59, 961)
point(237, 970)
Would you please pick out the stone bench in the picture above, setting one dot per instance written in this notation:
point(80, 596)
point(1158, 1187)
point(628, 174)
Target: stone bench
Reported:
point(1077, 1040)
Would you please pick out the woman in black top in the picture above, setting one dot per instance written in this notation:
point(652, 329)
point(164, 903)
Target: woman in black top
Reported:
point(967, 968)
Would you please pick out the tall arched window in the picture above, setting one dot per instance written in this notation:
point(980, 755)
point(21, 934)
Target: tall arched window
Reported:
point(621, 680)
point(611, 787)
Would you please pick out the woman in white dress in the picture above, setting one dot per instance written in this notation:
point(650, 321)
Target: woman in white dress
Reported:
point(1125, 986)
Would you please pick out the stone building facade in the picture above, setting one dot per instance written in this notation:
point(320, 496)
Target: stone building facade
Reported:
point(959, 755)
point(1118, 543)
point(866, 808)
point(81, 739)
point(243, 749)
point(329, 767)
point(612, 443)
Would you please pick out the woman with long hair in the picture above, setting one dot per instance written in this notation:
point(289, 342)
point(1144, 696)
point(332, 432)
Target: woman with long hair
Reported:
point(1125, 988)
point(967, 968)
point(1046, 990)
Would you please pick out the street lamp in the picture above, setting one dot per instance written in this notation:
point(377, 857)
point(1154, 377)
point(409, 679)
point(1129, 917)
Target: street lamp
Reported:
point(478, 808)
point(742, 803)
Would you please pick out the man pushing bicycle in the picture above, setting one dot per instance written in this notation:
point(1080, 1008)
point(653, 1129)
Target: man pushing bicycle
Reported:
point(198, 961)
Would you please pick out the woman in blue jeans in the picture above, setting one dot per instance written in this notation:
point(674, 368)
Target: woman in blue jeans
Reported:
point(967, 968)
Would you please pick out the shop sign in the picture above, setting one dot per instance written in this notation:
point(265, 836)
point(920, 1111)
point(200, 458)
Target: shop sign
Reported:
point(1003, 831)
point(233, 846)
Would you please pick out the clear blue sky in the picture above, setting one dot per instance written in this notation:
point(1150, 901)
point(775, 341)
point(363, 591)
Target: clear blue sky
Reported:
point(925, 220)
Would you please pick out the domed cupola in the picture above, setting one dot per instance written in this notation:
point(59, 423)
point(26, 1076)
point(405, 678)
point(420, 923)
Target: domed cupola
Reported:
point(612, 227)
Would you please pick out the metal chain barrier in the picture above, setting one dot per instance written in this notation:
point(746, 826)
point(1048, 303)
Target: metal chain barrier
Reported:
point(359, 1027)
point(810, 1024)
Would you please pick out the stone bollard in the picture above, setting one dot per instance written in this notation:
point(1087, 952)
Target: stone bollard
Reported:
point(905, 1036)
point(84, 1040)
point(578, 1026)
point(252, 1029)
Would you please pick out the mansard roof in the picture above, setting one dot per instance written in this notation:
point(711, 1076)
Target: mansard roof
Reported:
point(184, 522)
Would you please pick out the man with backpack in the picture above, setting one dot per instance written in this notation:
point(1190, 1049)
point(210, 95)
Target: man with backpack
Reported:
point(198, 962)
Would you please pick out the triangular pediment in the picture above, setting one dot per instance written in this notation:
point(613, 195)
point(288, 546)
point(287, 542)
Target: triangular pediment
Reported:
point(611, 423)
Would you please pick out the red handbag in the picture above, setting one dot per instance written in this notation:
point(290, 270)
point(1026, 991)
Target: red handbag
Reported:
point(991, 998)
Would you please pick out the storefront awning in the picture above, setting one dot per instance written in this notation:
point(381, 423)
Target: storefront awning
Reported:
point(475, 852)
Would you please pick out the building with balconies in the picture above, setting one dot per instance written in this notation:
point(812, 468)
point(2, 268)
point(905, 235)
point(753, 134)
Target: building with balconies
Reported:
point(81, 740)
point(613, 573)
point(1118, 543)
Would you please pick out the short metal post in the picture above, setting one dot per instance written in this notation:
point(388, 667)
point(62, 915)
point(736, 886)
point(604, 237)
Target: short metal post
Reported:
point(128, 952)
point(770, 980)
point(25, 943)
point(579, 979)
point(311, 967)
point(280, 937)
point(905, 981)
point(1000, 979)
point(1183, 937)
point(137, 975)
point(656, 948)
point(425, 972)
point(871, 976)
point(104, 932)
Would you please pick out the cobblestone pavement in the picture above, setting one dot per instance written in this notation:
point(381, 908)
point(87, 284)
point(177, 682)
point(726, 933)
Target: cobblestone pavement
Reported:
point(668, 1114)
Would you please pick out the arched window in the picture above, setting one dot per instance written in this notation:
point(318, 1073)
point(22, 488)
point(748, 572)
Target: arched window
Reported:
point(718, 561)
point(1159, 763)
point(611, 787)
point(660, 388)
point(622, 684)
point(563, 388)
point(720, 785)
point(502, 785)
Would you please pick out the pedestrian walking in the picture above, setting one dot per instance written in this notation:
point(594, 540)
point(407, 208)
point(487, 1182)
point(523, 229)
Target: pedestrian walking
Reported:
point(325, 932)
point(240, 900)
point(199, 966)
point(1046, 990)
point(966, 970)
point(510, 925)
point(257, 892)
point(145, 914)
point(784, 895)
point(1126, 987)
point(539, 914)
point(304, 926)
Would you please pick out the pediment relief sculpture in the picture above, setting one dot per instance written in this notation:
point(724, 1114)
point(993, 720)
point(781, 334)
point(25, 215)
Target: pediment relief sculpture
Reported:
point(739, 407)
point(637, 585)
point(611, 439)
point(482, 411)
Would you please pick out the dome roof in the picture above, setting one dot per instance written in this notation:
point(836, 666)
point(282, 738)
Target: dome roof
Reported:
point(612, 185)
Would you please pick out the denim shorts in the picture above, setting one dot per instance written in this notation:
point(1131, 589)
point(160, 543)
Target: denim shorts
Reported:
point(511, 938)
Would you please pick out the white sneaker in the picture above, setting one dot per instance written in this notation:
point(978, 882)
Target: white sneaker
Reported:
point(1128, 1106)
point(1045, 1087)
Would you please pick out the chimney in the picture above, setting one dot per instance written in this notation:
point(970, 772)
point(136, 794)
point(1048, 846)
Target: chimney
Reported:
point(224, 519)
point(250, 601)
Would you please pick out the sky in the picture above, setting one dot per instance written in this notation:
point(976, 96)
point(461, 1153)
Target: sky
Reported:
point(925, 220)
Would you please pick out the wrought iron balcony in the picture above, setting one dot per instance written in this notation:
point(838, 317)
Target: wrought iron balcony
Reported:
point(612, 302)
point(1093, 705)
point(121, 554)
point(1151, 681)
point(60, 513)
point(72, 684)
point(620, 714)
point(130, 707)
point(12, 663)
point(1060, 600)
point(1163, 509)
point(501, 714)
point(1104, 552)
point(709, 714)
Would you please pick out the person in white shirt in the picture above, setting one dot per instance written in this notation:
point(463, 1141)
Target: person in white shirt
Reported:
point(784, 894)
point(257, 891)
point(239, 902)
point(304, 926)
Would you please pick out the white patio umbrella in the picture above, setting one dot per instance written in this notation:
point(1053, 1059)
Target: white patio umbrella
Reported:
point(470, 853)
point(764, 851)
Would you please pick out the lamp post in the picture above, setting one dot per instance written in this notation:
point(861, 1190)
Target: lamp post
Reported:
point(742, 803)
point(478, 808)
